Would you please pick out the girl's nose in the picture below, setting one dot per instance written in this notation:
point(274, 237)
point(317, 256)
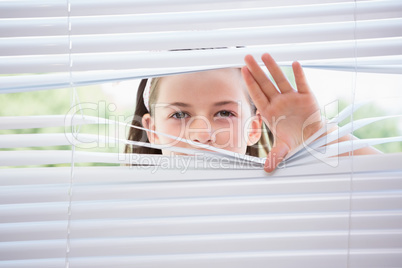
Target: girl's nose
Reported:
point(200, 130)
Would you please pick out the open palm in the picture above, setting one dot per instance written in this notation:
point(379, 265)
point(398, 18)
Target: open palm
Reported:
point(291, 114)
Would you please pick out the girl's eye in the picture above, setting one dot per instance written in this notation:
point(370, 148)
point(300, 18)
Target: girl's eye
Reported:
point(180, 115)
point(224, 113)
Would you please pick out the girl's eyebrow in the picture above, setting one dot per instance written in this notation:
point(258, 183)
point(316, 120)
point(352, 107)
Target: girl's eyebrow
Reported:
point(220, 103)
point(181, 104)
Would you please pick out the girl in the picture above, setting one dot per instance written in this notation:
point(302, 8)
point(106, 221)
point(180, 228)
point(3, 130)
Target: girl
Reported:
point(227, 109)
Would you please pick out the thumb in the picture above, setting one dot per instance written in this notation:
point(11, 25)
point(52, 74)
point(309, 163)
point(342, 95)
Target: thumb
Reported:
point(275, 156)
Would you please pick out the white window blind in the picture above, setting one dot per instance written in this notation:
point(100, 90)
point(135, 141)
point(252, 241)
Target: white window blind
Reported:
point(135, 36)
point(341, 212)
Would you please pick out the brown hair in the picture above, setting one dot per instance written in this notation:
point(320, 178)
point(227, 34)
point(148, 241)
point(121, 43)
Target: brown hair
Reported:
point(260, 149)
point(137, 134)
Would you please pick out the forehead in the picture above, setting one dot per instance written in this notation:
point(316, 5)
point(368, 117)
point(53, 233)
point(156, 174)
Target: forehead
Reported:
point(202, 86)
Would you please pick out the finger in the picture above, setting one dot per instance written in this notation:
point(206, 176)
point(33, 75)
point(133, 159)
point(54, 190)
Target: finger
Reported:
point(276, 72)
point(260, 77)
point(301, 80)
point(256, 94)
point(275, 157)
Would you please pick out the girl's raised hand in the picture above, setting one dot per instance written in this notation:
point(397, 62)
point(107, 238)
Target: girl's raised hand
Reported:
point(291, 114)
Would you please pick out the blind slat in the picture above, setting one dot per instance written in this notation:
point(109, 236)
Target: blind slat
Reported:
point(256, 259)
point(385, 64)
point(333, 259)
point(43, 121)
point(225, 224)
point(195, 20)
point(177, 245)
point(188, 207)
point(192, 40)
point(24, 8)
point(185, 225)
point(115, 208)
point(364, 164)
point(202, 244)
point(132, 60)
point(51, 139)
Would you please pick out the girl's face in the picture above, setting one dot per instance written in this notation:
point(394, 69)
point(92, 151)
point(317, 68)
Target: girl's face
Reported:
point(209, 107)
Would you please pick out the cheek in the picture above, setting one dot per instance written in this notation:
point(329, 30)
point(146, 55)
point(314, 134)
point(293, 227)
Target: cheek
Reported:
point(228, 134)
point(171, 127)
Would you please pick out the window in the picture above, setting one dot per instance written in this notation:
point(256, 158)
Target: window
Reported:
point(65, 205)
